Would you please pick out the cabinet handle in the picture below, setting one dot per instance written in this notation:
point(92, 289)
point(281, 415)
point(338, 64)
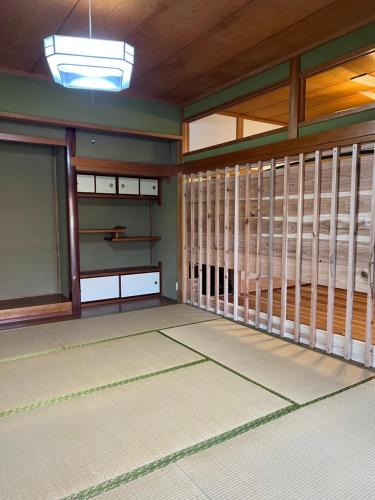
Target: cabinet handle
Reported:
point(111, 185)
point(155, 282)
point(122, 185)
point(153, 187)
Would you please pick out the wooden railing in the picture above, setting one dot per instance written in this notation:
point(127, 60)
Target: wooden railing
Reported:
point(286, 242)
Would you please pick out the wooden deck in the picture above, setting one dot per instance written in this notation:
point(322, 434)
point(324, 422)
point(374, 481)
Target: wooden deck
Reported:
point(359, 308)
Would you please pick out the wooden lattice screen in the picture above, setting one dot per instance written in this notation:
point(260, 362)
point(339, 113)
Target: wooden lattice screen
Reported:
point(287, 245)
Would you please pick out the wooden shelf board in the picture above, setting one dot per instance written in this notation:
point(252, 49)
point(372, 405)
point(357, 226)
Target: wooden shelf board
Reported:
point(115, 230)
point(119, 271)
point(124, 239)
point(118, 196)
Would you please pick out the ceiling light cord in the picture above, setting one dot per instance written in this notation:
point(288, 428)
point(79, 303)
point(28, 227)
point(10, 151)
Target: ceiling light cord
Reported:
point(90, 20)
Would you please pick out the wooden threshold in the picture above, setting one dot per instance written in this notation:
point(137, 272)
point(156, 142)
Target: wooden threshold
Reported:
point(34, 307)
point(118, 196)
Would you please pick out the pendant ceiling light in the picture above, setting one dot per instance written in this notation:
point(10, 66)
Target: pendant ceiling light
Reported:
point(89, 63)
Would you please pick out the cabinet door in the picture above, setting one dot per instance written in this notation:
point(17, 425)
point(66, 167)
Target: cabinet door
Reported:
point(140, 284)
point(149, 187)
point(105, 184)
point(128, 185)
point(101, 288)
point(85, 183)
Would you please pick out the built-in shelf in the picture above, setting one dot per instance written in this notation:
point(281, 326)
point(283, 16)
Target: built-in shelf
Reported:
point(124, 239)
point(117, 230)
point(118, 196)
point(119, 271)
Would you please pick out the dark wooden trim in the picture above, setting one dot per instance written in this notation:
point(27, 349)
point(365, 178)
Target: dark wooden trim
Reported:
point(338, 60)
point(73, 224)
point(40, 120)
point(122, 271)
point(114, 167)
point(339, 114)
point(294, 98)
point(236, 141)
point(361, 132)
point(31, 139)
point(185, 137)
point(237, 100)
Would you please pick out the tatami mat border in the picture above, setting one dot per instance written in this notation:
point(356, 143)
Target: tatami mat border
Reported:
point(91, 390)
point(101, 341)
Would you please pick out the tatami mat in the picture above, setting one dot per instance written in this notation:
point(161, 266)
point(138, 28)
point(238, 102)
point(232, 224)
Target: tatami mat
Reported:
point(40, 378)
point(31, 339)
point(169, 483)
point(57, 450)
point(114, 325)
point(323, 451)
point(289, 369)
point(22, 341)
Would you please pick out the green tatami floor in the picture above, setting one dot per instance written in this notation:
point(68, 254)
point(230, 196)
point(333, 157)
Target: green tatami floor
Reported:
point(174, 403)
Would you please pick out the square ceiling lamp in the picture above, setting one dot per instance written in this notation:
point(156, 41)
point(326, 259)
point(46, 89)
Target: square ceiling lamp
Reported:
point(89, 63)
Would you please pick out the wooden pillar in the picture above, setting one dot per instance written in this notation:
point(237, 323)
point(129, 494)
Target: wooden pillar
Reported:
point(270, 243)
point(217, 241)
point(371, 279)
point(200, 237)
point(185, 137)
point(239, 128)
point(295, 100)
point(258, 297)
point(247, 243)
point(182, 277)
point(226, 239)
point(297, 300)
point(284, 252)
point(192, 238)
point(208, 241)
point(73, 223)
point(235, 241)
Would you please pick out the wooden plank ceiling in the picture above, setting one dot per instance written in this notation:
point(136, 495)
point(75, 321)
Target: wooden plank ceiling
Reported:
point(185, 49)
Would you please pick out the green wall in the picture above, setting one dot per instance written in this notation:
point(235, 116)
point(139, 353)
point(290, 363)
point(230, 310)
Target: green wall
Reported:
point(164, 223)
point(47, 99)
point(28, 250)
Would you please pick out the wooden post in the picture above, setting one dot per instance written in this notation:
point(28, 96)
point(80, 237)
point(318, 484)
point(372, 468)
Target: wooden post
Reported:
point(185, 137)
point(239, 127)
point(315, 247)
point(284, 251)
point(192, 239)
point(297, 300)
point(247, 243)
point(182, 218)
point(235, 241)
point(270, 243)
point(208, 241)
point(226, 237)
point(371, 280)
point(217, 241)
point(200, 240)
point(258, 297)
point(73, 222)
point(351, 252)
point(294, 98)
point(332, 250)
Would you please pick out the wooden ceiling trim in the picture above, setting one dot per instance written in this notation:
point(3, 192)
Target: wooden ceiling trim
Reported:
point(32, 139)
point(86, 126)
point(220, 43)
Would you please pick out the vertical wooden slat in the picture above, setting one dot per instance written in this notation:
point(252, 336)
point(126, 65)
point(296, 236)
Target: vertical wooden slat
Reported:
point(351, 252)
point(183, 240)
point(315, 247)
point(332, 249)
point(200, 239)
point(235, 241)
point(192, 237)
point(226, 239)
point(270, 244)
point(371, 280)
point(284, 251)
point(247, 244)
point(297, 300)
point(259, 245)
point(208, 241)
point(185, 137)
point(217, 241)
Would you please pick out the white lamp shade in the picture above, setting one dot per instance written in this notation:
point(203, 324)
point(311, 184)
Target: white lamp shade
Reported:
point(89, 63)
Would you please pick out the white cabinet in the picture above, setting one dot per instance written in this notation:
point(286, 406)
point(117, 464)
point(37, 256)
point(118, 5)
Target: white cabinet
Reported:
point(101, 288)
point(149, 187)
point(128, 185)
point(140, 284)
point(105, 184)
point(85, 183)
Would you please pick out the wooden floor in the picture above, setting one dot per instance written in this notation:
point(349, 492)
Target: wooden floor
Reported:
point(359, 309)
